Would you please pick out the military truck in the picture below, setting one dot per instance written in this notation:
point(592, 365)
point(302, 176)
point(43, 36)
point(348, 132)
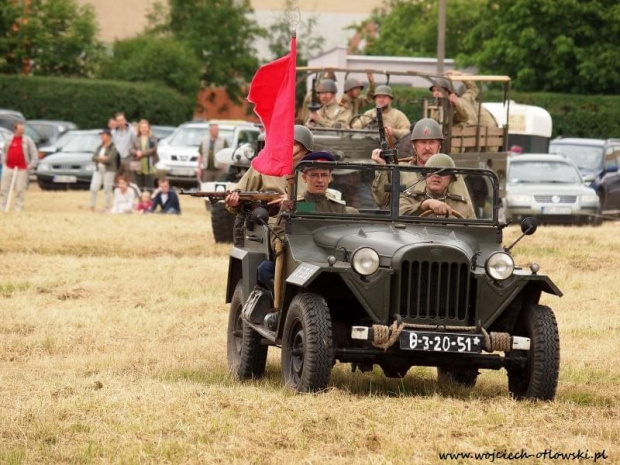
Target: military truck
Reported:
point(376, 286)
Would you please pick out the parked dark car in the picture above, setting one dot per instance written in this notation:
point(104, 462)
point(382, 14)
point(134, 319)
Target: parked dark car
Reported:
point(598, 161)
point(51, 130)
point(72, 166)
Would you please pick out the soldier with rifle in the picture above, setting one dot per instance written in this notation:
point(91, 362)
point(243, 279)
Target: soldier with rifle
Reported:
point(426, 139)
point(396, 123)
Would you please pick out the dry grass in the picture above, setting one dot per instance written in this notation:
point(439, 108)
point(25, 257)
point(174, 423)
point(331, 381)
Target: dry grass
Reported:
point(112, 349)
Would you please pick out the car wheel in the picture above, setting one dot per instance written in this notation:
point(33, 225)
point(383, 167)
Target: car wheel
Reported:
point(246, 354)
point(307, 355)
point(462, 376)
point(539, 378)
point(222, 222)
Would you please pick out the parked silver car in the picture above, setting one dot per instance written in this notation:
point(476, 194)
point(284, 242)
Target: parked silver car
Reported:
point(549, 188)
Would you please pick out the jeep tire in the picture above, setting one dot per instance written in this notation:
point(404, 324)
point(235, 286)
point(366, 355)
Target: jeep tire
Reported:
point(307, 355)
point(246, 354)
point(539, 378)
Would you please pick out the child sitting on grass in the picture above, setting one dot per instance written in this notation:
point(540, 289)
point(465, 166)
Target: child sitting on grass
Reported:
point(145, 203)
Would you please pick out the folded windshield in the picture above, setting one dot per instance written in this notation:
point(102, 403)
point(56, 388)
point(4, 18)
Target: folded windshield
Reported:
point(368, 190)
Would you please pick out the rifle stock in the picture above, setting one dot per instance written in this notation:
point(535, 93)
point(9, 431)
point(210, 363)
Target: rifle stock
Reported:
point(247, 196)
point(389, 155)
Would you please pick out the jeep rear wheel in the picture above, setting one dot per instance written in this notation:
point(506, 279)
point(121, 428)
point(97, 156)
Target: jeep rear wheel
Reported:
point(247, 356)
point(539, 378)
point(463, 376)
point(307, 355)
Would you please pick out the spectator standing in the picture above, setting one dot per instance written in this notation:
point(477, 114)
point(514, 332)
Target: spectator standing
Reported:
point(123, 138)
point(106, 158)
point(112, 124)
point(124, 197)
point(166, 199)
point(206, 154)
point(20, 155)
point(144, 156)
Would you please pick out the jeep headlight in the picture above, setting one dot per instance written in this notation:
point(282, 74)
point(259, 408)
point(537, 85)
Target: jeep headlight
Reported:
point(499, 266)
point(365, 261)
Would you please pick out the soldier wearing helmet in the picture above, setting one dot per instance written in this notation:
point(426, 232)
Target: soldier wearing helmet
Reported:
point(352, 99)
point(426, 138)
point(331, 114)
point(433, 194)
point(254, 181)
point(396, 123)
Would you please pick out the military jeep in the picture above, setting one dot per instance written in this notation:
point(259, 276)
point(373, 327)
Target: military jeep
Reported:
point(372, 286)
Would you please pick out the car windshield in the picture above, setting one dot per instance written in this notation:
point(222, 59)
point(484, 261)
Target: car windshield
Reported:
point(586, 157)
point(193, 136)
point(80, 143)
point(162, 131)
point(555, 172)
point(365, 190)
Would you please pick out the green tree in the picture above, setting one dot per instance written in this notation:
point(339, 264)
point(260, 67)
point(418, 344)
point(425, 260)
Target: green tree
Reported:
point(222, 34)
point(48, 37)
point(156, 59)
point(409, 27)
point(549, 45)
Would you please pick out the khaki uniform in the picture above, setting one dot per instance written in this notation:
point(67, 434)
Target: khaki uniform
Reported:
point(471, 97)
point(356, 105)
point(392, 117)
point(331, 114)
point(411, 201)
point(382, 198)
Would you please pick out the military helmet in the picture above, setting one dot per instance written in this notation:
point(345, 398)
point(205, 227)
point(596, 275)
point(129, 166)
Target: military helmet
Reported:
point(384, 90)
point(440, 160)
point(426, 129)
point(443, 83)
point(352, 83)
point(327, 85)
point(304, 137)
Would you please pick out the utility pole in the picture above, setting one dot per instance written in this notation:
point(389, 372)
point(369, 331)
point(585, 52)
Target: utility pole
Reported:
point(441, 36)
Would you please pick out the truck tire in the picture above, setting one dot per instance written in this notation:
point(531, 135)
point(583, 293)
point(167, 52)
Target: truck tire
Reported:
point(539, 379)
point(463, 376)
point(222, 223)
point(246, 354)
point(307, 355)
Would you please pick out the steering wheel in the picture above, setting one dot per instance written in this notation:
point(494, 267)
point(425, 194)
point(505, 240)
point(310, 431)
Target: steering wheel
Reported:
point(452, 212)
point(361, 116)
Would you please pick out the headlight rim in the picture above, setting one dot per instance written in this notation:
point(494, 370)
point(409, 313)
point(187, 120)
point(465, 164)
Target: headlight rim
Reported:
point(491, 271)
point(356, 266)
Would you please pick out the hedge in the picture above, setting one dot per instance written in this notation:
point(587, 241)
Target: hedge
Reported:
point(596, 116)
point(90, 103)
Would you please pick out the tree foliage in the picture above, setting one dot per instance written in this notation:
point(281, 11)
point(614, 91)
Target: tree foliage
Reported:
point(409, 28)
point(550, 45)
point(48, 37)
point(157, 59)
point(222, 34)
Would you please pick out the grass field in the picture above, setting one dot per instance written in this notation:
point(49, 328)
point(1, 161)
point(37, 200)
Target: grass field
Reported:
point(112, 350)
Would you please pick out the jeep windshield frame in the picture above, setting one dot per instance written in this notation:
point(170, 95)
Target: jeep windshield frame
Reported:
point(369, 178)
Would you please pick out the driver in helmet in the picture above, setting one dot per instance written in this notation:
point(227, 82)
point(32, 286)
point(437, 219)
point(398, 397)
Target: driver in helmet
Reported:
point(433, 195)
point(396, 124)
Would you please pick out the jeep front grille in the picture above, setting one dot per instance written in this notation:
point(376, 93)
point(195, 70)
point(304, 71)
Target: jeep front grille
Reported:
point(435, 292)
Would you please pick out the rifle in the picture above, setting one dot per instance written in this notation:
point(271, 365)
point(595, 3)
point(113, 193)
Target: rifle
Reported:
point(244, 196)
point(314, 104)
point(389, 155)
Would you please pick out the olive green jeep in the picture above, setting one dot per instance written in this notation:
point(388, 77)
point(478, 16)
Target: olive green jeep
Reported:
point(372, 286)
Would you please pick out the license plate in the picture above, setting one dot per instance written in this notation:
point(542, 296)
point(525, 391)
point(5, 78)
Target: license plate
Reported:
point(557, 210)
point(183, 172)
point(441, 342)
point(65, 179)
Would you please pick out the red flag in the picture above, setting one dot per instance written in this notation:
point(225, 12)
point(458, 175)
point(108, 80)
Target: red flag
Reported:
point(272, 92)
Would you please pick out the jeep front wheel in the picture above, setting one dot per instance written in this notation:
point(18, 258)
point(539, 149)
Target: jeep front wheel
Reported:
point(307, 355)
point(539, 378)
point(247, 356)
